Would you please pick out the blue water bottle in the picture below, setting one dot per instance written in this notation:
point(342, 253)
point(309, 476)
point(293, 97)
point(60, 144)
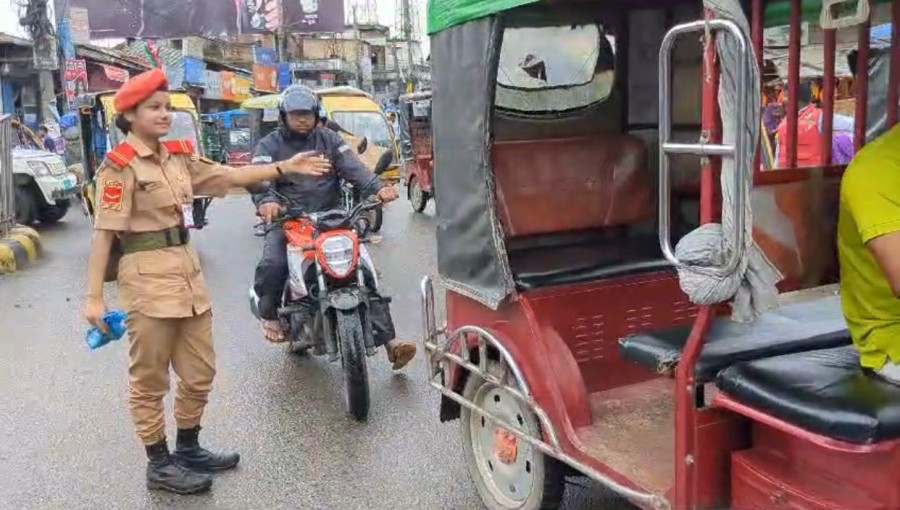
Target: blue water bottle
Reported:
point(115, 324)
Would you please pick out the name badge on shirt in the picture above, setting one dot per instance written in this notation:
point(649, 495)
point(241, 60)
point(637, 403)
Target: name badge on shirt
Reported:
point(187, 215)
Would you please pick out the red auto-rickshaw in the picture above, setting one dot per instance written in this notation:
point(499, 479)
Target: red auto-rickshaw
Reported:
point(574, 341)
point(418, 157)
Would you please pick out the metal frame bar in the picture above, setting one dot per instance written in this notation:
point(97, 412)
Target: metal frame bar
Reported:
point(828, 86)
point(895, 64)
point(7, 181)
point(436, 355)
point(862, 86)
point(703, 148)
point(793, 113)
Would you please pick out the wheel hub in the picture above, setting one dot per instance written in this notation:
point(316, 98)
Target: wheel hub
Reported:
point(505, 463)
point(506, 445)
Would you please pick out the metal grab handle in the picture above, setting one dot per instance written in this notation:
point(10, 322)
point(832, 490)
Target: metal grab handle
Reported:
point(667, 147)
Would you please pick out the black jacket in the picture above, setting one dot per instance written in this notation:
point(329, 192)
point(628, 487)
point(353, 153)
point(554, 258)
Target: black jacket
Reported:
point(313, 193)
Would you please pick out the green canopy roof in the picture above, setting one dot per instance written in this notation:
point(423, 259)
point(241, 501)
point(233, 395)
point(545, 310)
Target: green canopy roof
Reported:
point(444, 14)
point(778, 13)
point(447, 13)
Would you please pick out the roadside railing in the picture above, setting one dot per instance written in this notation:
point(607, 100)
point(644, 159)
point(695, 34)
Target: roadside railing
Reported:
point(7, 186)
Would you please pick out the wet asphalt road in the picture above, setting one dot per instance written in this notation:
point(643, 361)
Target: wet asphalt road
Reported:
point(66, 440)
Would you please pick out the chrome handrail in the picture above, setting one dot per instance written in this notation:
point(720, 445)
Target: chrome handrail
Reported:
point(667, 147)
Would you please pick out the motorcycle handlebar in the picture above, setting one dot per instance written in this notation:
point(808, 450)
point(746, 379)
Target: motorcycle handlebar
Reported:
point(297, 213)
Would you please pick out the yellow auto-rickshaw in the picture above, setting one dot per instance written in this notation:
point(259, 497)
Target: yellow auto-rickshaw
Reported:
point(97, 113)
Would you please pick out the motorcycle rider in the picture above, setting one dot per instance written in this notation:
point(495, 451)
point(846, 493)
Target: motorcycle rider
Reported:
point(302, 129)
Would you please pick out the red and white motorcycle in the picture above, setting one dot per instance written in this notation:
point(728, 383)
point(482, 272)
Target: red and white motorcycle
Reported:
point(326, 301)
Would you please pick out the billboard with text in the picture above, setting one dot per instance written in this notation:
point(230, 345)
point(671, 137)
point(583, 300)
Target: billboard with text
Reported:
point(212, 18)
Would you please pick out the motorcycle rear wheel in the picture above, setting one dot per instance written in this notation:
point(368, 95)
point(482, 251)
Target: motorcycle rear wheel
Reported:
point(353, 360)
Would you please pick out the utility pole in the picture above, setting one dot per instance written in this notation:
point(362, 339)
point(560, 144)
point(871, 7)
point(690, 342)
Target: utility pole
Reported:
point(281, 34)
point(37, 23)
point(66, 48)
point(406, 35)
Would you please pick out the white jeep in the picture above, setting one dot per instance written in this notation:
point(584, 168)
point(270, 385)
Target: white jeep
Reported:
point(45, 188)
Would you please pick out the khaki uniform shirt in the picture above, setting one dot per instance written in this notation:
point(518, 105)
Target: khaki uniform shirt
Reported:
point(146, 195)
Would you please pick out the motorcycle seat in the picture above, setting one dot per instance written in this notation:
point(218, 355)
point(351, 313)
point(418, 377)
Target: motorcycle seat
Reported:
point(823, 391)
point(796, 327)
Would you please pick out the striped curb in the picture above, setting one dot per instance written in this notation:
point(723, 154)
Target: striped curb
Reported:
point(21, 247)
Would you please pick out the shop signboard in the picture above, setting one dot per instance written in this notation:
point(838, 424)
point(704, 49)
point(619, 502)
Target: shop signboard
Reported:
point(265, 77)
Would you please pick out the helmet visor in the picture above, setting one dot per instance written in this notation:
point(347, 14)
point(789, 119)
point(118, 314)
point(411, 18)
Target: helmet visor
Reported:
point(299, 101)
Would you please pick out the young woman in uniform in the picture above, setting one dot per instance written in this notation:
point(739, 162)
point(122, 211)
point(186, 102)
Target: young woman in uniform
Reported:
point(145, 189)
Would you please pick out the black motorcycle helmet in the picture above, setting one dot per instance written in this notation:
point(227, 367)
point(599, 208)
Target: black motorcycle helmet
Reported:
point(298, 98)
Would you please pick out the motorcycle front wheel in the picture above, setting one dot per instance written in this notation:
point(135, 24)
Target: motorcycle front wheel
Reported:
point(351, 340)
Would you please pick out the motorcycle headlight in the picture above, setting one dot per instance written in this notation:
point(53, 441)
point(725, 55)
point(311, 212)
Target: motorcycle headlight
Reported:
point(39, 168)
point(338, 255)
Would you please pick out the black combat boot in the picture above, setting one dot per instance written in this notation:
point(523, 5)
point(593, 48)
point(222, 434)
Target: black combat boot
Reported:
point(189, 454)
point(164, 474)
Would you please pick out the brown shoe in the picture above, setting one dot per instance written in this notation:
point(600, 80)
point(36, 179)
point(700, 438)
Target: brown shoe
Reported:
point(400, 353)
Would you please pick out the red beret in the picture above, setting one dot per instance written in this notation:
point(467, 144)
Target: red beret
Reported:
point(136, 90)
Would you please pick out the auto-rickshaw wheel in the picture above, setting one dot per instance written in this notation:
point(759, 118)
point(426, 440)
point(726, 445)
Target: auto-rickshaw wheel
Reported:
point(418, 198)
point(508, 473)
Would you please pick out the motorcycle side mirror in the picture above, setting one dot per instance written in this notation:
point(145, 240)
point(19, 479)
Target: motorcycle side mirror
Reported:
point(363, 145)
point(384, 162)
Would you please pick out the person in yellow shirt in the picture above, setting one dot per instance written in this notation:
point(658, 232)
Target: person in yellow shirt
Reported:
point(869, 253)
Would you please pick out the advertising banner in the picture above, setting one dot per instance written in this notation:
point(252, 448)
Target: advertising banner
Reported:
point(79, 25)
point(114, 73)
point(184, 18)
point(264, 56)
point(228, 86)
point(193, 71)
point(265, 77)
point(76, 79)
point(213, 88)
point(241, 88)
point(285, 76)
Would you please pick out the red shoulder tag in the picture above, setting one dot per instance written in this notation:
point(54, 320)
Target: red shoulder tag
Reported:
point(183, 146)
point(121, 155)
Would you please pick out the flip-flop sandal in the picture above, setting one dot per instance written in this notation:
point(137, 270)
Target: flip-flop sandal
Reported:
point(272, 333)
point(401, 355)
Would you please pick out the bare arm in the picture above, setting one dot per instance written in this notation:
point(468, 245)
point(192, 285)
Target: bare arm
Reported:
point(870, 190)
point(95, 308)
point(101, 245)
point(210, 178)
point(249, 175)
point(886, 250)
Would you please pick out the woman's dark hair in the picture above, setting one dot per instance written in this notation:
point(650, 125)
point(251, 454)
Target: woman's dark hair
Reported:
point(123, 124)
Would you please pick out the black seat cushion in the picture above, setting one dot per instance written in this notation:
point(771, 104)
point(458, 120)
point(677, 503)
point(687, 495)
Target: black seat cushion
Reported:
point(529, 281)
point(825, 392)
point(796, 327)
point(608, 254)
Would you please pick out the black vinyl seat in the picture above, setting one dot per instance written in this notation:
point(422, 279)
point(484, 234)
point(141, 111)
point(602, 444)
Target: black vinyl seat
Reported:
point(824, 392)
point(584, 261)
point(795, 327)
point(568, 276)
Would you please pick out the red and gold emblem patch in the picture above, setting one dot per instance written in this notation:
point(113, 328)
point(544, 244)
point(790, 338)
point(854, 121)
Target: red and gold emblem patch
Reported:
point(111, 198)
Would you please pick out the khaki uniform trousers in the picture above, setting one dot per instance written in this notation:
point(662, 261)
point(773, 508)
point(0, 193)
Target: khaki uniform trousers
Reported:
point(154, 345)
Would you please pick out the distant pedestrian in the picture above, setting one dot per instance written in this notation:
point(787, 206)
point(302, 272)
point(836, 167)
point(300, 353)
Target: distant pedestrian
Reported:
point(49, 144)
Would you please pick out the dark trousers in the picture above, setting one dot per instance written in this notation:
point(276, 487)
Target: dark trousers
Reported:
point(272, 274)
